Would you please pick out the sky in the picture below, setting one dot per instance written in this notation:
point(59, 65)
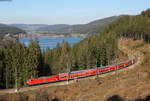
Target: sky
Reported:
point(66, 11)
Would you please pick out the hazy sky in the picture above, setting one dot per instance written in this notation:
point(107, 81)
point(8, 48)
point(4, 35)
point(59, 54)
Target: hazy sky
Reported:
point(66, 11)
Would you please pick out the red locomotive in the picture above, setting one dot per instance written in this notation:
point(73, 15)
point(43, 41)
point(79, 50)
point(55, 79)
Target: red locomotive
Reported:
point(81, 73)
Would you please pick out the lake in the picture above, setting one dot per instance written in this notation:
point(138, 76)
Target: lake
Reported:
point(51, 42)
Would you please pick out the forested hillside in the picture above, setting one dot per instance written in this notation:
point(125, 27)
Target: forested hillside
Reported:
point(5, 29)
point(136, 27)
point(19, 63)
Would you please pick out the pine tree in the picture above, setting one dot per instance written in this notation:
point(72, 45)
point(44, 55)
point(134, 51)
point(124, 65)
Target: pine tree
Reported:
point(34, 58)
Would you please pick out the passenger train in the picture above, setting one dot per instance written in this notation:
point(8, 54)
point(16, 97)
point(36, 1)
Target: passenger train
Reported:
point(81, 73)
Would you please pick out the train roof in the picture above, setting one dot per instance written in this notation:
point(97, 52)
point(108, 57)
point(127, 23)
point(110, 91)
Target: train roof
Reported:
point(79, 71)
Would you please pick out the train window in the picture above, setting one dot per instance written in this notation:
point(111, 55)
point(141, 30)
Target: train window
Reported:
point(74, 72)
point(63, 76)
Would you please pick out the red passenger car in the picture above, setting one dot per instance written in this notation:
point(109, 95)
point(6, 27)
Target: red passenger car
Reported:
point(81, 73)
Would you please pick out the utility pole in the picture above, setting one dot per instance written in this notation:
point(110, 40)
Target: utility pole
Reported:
point(16, 80)
point(116, 64)
point(68, 74)
point(96, 70)
point(6, 77)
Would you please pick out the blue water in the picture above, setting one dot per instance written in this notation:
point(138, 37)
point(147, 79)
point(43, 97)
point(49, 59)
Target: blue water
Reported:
point(51, 42)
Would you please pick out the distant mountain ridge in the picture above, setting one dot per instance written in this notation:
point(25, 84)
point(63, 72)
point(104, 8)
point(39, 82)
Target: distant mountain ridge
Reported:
point(89, 28)
point(29, 27)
